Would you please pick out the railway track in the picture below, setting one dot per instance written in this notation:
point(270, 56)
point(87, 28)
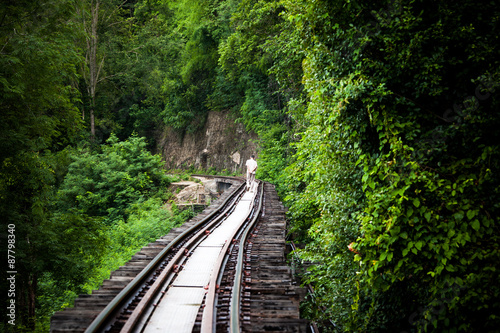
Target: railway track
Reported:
point(222, 271)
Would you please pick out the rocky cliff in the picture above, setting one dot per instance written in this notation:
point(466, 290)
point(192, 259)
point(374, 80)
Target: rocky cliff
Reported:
point(222, 144)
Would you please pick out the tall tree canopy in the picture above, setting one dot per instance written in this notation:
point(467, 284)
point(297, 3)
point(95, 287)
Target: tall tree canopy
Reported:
point(391, 149)
point(399, 160)
point(38, 118)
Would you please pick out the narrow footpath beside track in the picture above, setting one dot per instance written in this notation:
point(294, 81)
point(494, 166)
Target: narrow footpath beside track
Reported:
point(196, 279)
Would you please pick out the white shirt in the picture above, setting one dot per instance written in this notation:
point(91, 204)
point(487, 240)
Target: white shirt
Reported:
point(251, 165)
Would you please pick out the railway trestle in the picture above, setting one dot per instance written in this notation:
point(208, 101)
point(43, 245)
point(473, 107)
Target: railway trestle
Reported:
point(226, 268)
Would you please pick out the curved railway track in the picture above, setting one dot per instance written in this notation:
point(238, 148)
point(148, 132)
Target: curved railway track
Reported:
point(218, 273)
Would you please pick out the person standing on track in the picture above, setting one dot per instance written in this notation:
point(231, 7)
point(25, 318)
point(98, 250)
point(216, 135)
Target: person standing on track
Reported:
point(251, 167)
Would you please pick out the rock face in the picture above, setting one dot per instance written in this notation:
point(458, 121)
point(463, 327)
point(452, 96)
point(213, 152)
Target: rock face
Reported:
point(193, 192)
point(222, 144)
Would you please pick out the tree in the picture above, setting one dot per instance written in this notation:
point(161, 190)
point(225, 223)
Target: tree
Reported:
point(38, 118)
point(102, 21)
point(105, 184)
point(201, 26)
point(403, 186)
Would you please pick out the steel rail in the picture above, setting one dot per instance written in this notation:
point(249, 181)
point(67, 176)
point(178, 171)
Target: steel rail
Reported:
point(138, 319)
point(105, 315)
point(242, 179)
point(143, 307)
point(234, 323)
point(208, 318)
point(153, 290)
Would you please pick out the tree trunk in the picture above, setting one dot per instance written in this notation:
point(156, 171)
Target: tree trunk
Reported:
point(92, 75)
point(92, 124)
point(32, 291)
point(92, 62)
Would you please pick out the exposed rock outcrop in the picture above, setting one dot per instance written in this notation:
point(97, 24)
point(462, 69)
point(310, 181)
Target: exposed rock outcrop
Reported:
point(194, 192)
point(222, 144)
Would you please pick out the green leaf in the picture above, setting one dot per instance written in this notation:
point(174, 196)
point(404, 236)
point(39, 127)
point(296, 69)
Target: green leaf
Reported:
point(416, 202)
point(365, 177)
point(395, 230)
point(428, 216)
point(475, 225)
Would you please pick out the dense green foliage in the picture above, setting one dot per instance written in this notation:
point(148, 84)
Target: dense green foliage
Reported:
point(391, 153)
point(107, 183)
point(377, 122)
point(69, 214)
point(37, 118)
point(390, 170)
